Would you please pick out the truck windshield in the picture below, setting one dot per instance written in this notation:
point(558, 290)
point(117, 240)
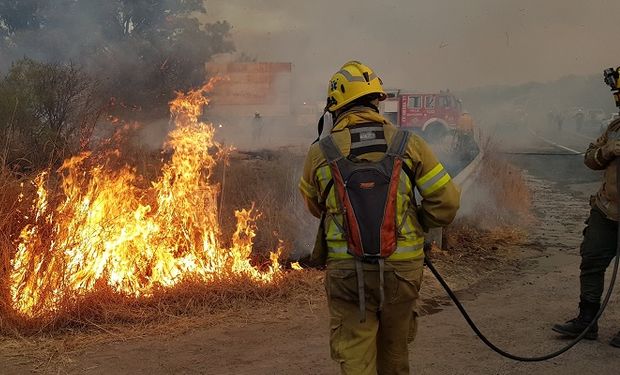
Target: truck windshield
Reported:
point(444, 102)
point(430, 101)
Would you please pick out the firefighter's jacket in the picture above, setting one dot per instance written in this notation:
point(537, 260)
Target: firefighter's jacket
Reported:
point(439, 196)
point(607, 197)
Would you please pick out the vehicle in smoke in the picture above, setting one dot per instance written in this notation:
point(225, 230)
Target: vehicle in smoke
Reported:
point(588, 117)
point(431, 114)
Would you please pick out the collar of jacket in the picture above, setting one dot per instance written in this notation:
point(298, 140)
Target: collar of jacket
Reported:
point(357, 115)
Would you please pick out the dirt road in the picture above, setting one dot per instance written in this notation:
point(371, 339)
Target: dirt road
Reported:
point(515, 306)
point(516, 310)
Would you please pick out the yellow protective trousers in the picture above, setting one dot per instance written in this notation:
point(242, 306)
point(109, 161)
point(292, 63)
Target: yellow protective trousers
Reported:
point(379, 345)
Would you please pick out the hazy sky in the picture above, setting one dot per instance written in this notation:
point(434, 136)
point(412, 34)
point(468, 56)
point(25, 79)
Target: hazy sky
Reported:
point(429, 44)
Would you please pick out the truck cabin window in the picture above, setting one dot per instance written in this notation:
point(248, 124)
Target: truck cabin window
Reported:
point(414, 102)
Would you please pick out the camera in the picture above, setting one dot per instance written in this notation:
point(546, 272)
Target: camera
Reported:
point(612, 76)
point(612, 79)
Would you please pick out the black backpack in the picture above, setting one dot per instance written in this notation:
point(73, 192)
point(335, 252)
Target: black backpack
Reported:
point(366, 193)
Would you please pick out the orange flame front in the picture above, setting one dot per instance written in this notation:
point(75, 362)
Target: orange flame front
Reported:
point(108, 231)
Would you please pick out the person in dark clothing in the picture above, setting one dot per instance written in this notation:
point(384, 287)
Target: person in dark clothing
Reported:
point(600, 236)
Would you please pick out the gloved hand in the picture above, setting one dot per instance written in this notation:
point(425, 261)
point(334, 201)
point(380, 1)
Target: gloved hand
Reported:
point(610, 150)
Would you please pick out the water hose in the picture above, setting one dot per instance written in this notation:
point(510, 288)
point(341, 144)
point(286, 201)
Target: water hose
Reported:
point(568, 346)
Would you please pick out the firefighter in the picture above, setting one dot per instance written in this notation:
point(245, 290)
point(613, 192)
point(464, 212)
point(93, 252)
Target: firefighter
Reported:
point(372, 300)
point(257, 126)
point(465, 144)
point(598, 247)
point(465, 123)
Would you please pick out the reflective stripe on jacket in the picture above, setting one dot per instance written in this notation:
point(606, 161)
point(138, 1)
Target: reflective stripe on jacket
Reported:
point(440, 197)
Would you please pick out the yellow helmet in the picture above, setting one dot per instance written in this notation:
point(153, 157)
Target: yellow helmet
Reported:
point(351, 82)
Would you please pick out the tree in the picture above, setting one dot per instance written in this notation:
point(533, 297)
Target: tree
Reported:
point(140, 50)
point(47, 111)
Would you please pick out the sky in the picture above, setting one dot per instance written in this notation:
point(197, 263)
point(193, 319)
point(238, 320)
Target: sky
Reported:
point(428, 45)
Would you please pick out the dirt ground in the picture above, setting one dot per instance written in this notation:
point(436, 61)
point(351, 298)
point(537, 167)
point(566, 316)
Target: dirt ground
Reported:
point(515, 296)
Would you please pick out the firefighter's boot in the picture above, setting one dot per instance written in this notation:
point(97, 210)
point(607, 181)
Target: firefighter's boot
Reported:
point(615, 341)
point(574, 327)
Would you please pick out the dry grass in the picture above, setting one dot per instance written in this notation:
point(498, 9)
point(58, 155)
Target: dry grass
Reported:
point(488, 234)
point(106, 310)
point(53, 349)
point(268, 179)
point(249, 180)
point(469, 241)
point(509, 188)
point(499, 197)
point(496, 211)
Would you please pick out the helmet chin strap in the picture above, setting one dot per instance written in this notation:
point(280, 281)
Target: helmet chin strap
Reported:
point(320, 126)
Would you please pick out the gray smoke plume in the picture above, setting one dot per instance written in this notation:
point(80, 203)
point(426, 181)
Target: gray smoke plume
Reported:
point(141, 51)
point(429, 45)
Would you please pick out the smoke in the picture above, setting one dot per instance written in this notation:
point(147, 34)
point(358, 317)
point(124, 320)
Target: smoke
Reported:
point(428, 45)
point(508, 113)
point(141, 52)
point(495, 45)
point(58, 32)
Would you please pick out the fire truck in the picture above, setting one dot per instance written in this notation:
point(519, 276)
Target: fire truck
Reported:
point(432, 115)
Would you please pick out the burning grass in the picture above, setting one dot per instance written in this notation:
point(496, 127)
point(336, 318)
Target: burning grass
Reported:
point(106, 310)
point(103, 244)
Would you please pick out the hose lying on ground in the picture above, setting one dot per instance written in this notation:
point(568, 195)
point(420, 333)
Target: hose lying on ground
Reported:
point(562, 350)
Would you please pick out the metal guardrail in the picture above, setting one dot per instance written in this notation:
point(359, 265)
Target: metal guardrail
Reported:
point(466, 177)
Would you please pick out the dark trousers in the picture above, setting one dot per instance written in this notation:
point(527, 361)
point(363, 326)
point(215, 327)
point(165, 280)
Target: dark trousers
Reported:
point(598, 249)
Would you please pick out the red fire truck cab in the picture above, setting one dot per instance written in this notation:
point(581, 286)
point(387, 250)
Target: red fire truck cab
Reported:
point(432, 115)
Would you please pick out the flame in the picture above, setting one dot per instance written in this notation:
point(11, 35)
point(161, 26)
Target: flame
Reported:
point(296, 266)
point(111, 229)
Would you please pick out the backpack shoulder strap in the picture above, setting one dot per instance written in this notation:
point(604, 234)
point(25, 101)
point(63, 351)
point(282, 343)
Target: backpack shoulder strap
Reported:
point(399, 143)
point(398, 148)
point(332, 155)
point(330, 150)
